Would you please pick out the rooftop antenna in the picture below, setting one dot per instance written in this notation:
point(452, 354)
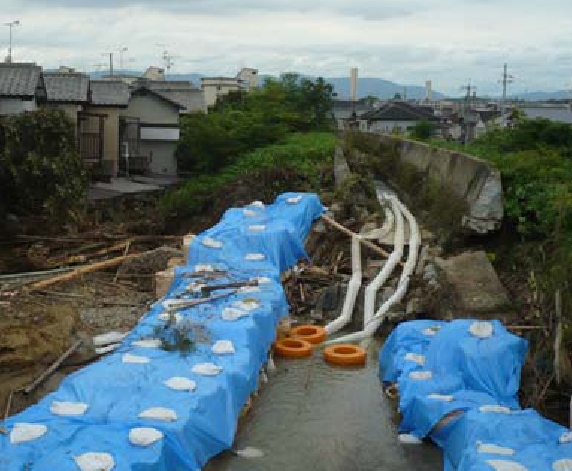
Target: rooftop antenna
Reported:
point(122, 50)
point(168, 59)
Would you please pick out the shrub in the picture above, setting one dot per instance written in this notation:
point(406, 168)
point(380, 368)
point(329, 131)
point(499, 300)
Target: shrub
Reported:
point(41, 171)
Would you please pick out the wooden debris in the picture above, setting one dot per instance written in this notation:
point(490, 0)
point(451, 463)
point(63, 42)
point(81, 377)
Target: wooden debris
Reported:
point(346, 231)
point(52, 368)
point(80, 271)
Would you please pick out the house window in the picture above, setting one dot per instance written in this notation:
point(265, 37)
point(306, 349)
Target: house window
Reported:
point(219, 88)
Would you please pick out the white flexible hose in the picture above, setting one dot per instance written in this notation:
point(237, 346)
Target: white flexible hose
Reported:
point(352, 292)
point(409, 267)
point(390, 264)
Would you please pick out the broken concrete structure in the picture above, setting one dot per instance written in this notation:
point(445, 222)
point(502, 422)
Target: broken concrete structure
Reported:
point(472, 179)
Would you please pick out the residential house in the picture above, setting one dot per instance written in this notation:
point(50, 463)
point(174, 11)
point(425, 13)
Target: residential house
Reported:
point(68, 92)
point(395, 116)
point(149, 132)
point(21, 88)
point(346, 112)
point(154, 73)
point(215, 87)
point(181, 91)
point(99, 125)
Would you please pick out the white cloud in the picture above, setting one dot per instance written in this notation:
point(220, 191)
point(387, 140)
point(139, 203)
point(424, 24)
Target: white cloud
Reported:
point(449, 41)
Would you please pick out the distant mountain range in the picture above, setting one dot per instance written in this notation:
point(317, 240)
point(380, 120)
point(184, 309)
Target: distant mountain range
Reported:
point(380, 88)
point(383, 89)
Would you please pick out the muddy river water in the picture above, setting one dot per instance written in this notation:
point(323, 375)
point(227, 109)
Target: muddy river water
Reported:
point(311, 416)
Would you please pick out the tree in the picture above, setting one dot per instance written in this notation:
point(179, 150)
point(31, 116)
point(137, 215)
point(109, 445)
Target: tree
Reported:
point(423, 130)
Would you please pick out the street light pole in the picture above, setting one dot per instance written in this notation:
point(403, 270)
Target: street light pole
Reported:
point(11, 25)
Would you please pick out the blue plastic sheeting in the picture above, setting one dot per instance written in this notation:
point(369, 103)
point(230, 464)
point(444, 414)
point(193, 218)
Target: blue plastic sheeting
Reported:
point(117, 392)
point(491, 365)
point(277, 231)
point(533, 439)
point(468, 373)
point(408, 337)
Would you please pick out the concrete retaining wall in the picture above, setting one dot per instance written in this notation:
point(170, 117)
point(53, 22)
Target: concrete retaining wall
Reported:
point(470, 178)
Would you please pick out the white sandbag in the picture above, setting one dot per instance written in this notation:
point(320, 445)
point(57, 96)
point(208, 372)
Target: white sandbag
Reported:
point(68, 409)
point(204, 268)
point(562, 465)
point(147, 343)
point(408, 439)
point(23, 432)
point(109, 337)
point(206, 369)
point(179, 383)
point(257, 227)
point(494, 449)
point(144, 436)
point(95, 462)
point(233, 314)
point(495, 408)
point(294, 200)
point(128, 358)
point(249, 290)
point(482, 330)
point(415, 358)
point(249, 213)
point(223, 347)
point(262, 280)
point(258, 204)
point(211, 243)
point(165, 316)
point(506, 465)
point(249, 452)
point(195, 287)
point(107, 349)
point(159, 413)
point(247, 304)
point(420, 375)
point(441, 397)
point(254, 257)
point(270, 365)
point(431, 331)
point(565, 438)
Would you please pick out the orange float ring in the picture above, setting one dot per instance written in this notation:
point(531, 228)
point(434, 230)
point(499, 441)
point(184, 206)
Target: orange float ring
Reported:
point(292, 348)
point(310, 333)
point(345, 355)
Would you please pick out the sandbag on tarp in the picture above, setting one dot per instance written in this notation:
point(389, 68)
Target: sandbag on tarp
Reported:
point(533, 439)
point(408, 337)
point(491, 365)
point(134, 387)
point(424, 411)
point(276, 231)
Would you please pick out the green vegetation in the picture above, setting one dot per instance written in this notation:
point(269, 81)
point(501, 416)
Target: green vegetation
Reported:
point(241, 122)
point(41, 171)
point(423, 130)
point(296, 163)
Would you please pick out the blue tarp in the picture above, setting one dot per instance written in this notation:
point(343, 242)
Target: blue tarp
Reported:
point(454, 372)
point(117, 392)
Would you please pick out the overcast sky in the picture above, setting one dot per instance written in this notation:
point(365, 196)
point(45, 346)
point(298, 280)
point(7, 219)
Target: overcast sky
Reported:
point(407, 41)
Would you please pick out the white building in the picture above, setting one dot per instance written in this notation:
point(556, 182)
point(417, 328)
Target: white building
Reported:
point(215, 87)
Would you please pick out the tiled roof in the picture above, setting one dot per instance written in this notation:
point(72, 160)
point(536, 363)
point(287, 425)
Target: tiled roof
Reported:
point(400, 111)
point(109, 93)
point(181, 92)
point(64, 87)
point(19, 80)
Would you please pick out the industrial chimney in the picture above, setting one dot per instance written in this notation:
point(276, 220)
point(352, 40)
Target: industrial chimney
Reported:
point(428, 91)
point(353, 84)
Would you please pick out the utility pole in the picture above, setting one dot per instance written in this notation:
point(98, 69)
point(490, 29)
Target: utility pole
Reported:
point(506, 79)
point(11, 25)
point(470, 89)
point(110, 54)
